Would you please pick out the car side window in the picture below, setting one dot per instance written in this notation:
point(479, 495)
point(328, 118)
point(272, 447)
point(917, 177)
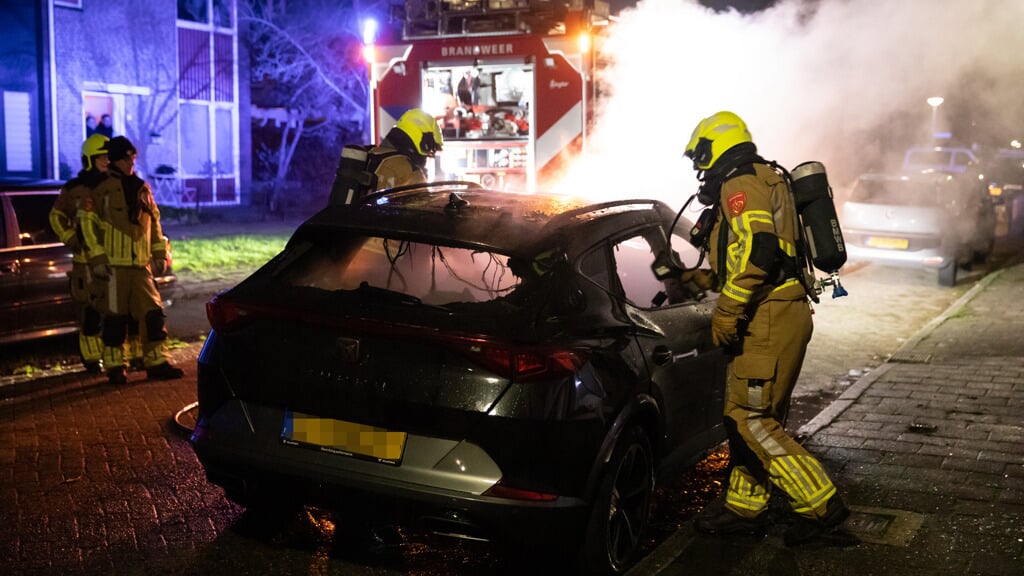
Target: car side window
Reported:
point(32, 212)
point(633, 259)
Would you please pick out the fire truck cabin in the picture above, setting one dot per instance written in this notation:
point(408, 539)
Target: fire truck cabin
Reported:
point(511, 82)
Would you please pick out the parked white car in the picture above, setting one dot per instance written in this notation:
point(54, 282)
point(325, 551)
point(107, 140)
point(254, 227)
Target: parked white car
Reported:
point(931, 220)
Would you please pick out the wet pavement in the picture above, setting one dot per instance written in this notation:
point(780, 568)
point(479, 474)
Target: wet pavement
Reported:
point(928, 451)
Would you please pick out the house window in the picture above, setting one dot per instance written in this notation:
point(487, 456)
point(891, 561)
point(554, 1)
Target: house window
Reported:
point(17, 122)
point(103, 114)
point(208, 100)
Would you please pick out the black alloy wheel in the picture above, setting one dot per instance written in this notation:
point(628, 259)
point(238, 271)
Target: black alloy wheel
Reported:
point(622, 507)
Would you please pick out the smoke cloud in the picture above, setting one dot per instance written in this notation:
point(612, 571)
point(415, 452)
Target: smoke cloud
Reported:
point(844, 82)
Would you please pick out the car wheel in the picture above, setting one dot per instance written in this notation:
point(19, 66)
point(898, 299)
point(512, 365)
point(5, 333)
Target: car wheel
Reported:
point(622, 507)
point(981, 255)
point(947, 274)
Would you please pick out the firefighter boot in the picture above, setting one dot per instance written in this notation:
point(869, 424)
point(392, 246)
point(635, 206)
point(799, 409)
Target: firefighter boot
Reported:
point(717, 519)
point(805, 529)
point(164, 371)
point(118, 376)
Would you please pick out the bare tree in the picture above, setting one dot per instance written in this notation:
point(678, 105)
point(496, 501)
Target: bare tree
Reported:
point(306, 60)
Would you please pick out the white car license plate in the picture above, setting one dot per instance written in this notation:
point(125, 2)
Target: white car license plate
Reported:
point(343, 438)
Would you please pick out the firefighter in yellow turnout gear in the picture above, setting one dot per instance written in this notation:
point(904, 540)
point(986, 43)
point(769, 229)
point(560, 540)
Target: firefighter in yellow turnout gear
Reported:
point(399, 160)
point(123, 236)
point(74, 199)
point(763, 318)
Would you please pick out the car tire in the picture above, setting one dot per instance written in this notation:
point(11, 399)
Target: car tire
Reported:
point(622, 507)
point(947, 274)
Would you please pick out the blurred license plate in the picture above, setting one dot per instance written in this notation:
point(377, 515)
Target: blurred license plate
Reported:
point(883, 242)
point(343, 438)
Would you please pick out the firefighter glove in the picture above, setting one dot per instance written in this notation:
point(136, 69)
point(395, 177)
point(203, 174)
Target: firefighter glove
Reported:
point(725, 327)
point(159, 265)
point(702, 278)
point(101, 271)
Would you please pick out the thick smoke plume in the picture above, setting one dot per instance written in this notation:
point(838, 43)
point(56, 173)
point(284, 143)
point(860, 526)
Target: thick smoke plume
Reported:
point(842, 82)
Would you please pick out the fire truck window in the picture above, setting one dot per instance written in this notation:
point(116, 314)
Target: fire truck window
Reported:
point(481, 103)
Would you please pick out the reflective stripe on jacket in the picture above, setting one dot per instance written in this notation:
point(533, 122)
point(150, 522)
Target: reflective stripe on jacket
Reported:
point(71, 206)
point(758, 214)
point(117, 233)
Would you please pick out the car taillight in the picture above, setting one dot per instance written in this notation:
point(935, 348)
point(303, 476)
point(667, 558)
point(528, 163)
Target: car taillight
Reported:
point(500, 490)
point(523, 364)
point(225, 315)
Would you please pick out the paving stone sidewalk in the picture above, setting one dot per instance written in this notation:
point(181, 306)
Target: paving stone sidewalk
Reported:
point(928, 450)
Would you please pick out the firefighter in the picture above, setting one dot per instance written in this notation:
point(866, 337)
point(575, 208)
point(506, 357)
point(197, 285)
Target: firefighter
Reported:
point(399, 160)
point(124, 240)
point(762, 319)
point(64, 219)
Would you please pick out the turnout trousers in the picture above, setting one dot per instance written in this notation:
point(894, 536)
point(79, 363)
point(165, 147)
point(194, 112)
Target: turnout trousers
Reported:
point(760, 383)
point(130, 295)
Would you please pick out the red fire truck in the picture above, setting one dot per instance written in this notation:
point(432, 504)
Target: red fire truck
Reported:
point(512, 83)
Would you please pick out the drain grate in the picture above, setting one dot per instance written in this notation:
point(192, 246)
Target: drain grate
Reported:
point(911, 357)
point(883, 525)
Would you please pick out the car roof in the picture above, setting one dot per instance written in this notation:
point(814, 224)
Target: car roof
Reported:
point(29, 185)
point(472, 216)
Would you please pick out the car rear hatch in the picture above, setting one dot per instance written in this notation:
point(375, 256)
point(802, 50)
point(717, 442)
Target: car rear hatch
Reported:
point(895, 213)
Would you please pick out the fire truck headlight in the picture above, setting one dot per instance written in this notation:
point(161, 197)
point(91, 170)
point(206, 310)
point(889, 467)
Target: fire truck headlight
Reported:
point(583, 42)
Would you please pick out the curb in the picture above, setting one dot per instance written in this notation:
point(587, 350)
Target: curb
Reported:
point(851, 394)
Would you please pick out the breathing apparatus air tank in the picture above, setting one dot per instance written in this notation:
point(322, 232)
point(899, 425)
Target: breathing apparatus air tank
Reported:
point(818, 219)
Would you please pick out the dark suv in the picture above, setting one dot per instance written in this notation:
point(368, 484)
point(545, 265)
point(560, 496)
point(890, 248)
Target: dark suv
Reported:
point(477, 363)
point(35, 297)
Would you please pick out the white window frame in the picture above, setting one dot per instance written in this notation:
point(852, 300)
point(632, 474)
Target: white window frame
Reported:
point(212, 106)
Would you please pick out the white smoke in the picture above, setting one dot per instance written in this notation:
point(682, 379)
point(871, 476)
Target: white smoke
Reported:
point(835, 81)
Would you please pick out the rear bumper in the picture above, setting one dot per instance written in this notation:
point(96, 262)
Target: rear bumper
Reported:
point(423, 491)
point(902, 258)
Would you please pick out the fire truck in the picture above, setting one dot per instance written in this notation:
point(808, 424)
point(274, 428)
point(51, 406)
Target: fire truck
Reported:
point(511, 82)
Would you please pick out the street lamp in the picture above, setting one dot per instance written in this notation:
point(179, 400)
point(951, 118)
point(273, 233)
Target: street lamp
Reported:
point(935, 102)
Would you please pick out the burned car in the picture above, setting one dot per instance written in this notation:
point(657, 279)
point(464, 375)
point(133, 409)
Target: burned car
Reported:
point(475, 363)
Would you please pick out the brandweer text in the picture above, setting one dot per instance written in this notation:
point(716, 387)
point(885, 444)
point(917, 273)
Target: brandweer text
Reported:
point(477, 50)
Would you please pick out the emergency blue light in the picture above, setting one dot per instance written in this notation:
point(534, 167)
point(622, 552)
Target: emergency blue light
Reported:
point(369, 31)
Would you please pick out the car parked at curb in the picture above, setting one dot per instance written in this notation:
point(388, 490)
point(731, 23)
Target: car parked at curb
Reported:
point(1003, 173)
point(928, 220)
point(474, 363)
point(947, 159)
point(35, 294)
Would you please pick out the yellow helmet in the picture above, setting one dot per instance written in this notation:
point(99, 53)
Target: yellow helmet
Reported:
point(423, 130)
point(713, 136)
point(95, 145)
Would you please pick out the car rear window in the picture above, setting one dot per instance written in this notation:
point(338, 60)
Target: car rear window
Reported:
point(435, 274)
point(899, 192)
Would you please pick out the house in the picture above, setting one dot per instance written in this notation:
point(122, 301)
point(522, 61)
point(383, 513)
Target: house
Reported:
point(171, 76)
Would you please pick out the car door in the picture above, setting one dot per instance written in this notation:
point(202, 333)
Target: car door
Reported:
point(42, 263)
point(10, 280)
point(687, 371)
